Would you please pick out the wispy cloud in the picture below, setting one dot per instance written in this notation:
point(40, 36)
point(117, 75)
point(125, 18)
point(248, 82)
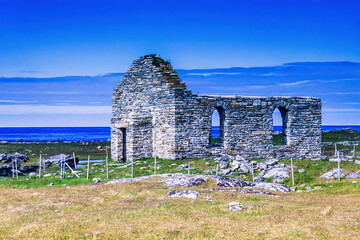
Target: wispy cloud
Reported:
point(53, 109)
point(17, 101)
point(293, 83)
point(212, 74)
point(341, 110)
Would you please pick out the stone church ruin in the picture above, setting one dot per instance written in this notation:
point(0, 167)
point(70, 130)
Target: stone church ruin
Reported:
point(154, 114)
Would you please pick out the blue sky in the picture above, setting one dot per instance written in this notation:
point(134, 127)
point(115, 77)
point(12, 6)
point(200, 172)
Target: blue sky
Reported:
point(45, 39)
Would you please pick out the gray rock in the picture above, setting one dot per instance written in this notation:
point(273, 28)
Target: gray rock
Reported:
point(301, 170)
point(184, 193)
point(32, 174)
point(225, 171)
point(271, 162)
point(317, 187)
point(235, 206)
point(357, 161)
point(293, 189)
point(182, 167)
point(208, 198)
point(223, 164)
point(278, 180)
point(51, 184)
point(96, 180)
point(272, 187)
point(352, 175)
point(308, 188)
point(176, 180)
point(56, 160)
point(277, 173)
point(208, 171)
point(332, 174)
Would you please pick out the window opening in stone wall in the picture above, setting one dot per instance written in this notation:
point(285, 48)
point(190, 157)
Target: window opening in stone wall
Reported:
point(217, 127)
point(279, 126)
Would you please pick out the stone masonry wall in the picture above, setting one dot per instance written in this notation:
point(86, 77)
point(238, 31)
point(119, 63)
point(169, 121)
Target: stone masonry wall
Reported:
point(163, 118)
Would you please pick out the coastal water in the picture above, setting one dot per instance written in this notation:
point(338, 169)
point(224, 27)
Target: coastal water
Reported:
point(46, 134)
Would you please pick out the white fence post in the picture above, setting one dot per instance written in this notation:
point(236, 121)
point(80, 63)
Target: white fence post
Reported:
point(88, 168)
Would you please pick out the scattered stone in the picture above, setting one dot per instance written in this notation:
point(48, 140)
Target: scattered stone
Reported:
point(301, 170)
point(302, 185)
point(56, 211)
point(182, 167)
point(176, 180)
point(317, 187)
point(47, 175)
point(208, 198)
point(277, 173)
point(293, 189)
point(208, 171)
point(235, 206)
point(223, 164)
point(56, 159)
point(32, 174)
point(96, 180)
point(352, 175)
point(183, 193)
point(354, 181)
point(357, 161)
point(278, 180)
point(299, 191)
point(332, 174)
point(308, 188)
point(246, 191)
point(51, 184)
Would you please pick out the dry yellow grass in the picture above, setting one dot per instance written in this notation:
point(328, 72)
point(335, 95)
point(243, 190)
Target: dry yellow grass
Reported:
point(141, 210)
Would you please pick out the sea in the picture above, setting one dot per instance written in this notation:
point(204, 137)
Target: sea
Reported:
point(76, 134)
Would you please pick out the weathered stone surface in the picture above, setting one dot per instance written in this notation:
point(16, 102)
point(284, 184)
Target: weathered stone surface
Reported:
point(153, 114)
point(184, 193)
point(333, 174)
point(277, 173)
point(245, 191)
point(56, 159)
point(223, 164)
point(184, 180)
point(235, 206)
point(231, 182)
point(182, 167)
point(96, 180)
point(352, 175)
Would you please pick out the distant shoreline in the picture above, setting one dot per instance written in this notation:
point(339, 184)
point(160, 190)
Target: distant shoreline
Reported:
point(94, 134)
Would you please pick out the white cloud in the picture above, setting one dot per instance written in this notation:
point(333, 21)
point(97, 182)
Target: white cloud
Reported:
point(293, 83)
point(51, 109)
point(341, 110)
point(16, 101)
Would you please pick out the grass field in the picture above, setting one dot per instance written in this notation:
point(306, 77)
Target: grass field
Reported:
point(73, 209)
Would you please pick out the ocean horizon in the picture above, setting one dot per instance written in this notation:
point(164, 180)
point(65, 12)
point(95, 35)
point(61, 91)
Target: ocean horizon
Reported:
point(76, 134)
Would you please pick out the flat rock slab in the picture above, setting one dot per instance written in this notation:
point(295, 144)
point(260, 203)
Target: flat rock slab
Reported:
point(184, 193)
point(184, 180)
point(333, 174)
point(231, 182)
point(245, 191)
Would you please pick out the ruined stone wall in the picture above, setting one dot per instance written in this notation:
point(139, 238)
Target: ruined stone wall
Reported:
point(163, 118)
point(248, 126)
point(143, 104)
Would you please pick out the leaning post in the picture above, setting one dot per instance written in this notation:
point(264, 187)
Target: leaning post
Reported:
point(17, 175)
point(74, 160)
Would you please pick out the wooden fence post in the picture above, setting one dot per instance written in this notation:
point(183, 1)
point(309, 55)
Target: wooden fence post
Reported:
point(40, 166)
point(88, 168)
point(292, 172)
point(107, 167)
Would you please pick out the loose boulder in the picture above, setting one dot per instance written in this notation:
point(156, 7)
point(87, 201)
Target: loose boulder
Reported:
point(277, 173)
point(352, 175)
point(184, 193)
point(56, 159)
point(333, 174)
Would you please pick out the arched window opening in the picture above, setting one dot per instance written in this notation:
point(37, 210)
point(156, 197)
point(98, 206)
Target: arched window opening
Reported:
point(279, 126)
point(217, 127)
